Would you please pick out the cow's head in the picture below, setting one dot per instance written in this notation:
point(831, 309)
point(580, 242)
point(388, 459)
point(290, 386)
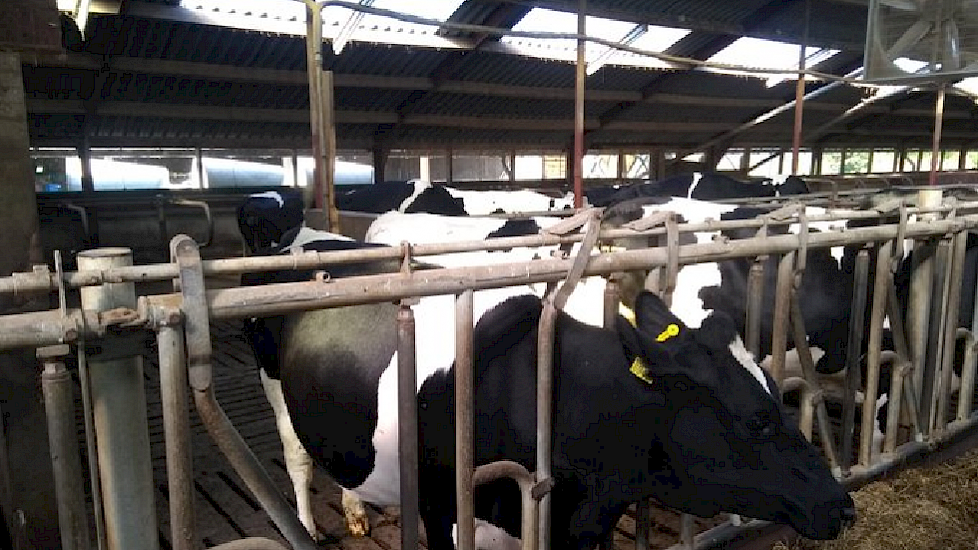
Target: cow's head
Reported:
point(725, 442)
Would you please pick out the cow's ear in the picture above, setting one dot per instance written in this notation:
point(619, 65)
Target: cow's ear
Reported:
point(658, 323)
point(717, 332)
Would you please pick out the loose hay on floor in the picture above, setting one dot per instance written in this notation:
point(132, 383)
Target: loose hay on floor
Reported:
point(928, 508)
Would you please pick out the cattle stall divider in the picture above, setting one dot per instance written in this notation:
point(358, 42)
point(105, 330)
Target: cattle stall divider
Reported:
point(181, 320)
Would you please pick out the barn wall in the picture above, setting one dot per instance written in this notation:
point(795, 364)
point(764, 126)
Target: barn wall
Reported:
point(20, 396)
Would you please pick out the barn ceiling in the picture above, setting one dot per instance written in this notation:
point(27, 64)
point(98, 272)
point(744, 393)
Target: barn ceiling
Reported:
point(153, 73)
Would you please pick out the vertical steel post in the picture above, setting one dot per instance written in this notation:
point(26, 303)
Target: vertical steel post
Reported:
point(119, 401)
point(755, 301)
point(84, 379)
point(873, 352)
point(950, 316)
point(314, 45)
point(782, 307)
point(407, 425)
point(329, 141)
point(935, 157)
point(174, 394)
point(935, 341)
point(580, 76)
point(800, 94)
point(464, 421)
point(59, 405)
point(545, 382)
point(966, 395)
point(853, 353)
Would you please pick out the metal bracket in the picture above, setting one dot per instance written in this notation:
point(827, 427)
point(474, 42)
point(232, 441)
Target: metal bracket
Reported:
point(185, 253)
point(542, 488)
point(406, 258)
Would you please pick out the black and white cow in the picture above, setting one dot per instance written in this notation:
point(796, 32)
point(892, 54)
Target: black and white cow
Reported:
point(678, 413)
point(481, 203)
point(264, 217)
point(401, 196)
point(706, 186)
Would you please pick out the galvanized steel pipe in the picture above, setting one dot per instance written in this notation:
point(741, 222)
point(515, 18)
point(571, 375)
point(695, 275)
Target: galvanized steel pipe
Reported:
point(935, 331)
point(950, 325)
point(176, 431)
point(782, 307)
point(407, 425)
point(853, 353)
point(464, 421)
point(873, 353)
point(526, 481)
point(545, 382)
point(59, 405)
point(119, 404)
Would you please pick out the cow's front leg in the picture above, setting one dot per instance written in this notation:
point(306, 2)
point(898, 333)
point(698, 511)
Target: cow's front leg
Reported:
point(297, 461)
point(355, 514)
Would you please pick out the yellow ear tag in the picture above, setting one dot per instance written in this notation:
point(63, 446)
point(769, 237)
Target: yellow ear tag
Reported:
point(671, 330)
point(638, 368)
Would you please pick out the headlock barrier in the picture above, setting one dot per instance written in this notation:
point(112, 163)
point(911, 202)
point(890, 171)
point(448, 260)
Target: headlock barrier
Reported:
point(112, 318)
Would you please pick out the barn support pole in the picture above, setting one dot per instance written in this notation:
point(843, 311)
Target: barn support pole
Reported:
point(329, 130)
point(545, 358)
point(407, 413)
point(176, 431)
point(464, 421)
point(59, 404)
point(579, 79)
point(119, 403)
point(854, 347)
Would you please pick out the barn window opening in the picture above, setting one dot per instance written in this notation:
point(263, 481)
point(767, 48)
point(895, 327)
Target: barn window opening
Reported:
point(770, 54)
point(646, 37)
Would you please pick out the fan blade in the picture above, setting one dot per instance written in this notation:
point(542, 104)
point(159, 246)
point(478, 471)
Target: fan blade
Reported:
point(913, 35)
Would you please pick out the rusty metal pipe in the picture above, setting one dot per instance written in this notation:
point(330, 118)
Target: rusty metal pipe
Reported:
point(526, 481)
point(176, 430)
point(545, 357)
point(950, 325)
point(930, 381)
point(755, 300)
point(808, 368)
point(853, 353)
point(59, 405)
point(464, 420)
point(900, 369)
point(407, 425)
point(806, 403)
point(873, 353)
point(250, 543)
point(579, 77)
point(247, 466)
point(967, 392)
point(782, 307)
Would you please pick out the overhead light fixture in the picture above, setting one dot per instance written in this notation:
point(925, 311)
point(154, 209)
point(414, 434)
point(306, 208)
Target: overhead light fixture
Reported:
point(630, 37)
point(349, 28)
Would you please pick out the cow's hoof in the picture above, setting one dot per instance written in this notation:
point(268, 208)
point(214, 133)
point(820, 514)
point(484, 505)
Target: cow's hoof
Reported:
point(358, 525)
point(355, 514)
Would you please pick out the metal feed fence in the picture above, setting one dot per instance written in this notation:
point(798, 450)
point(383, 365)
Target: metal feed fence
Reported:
point(112, 317)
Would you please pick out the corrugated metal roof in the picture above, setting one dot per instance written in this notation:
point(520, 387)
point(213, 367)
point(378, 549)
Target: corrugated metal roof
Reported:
point(479, 97)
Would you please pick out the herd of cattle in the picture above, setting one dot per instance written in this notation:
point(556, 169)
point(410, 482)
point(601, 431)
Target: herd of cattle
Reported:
point(676, 409)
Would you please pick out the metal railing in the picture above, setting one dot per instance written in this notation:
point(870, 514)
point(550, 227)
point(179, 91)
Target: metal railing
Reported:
point(181, 320)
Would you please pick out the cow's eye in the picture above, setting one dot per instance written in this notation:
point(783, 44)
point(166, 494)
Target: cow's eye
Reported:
point(760, 424)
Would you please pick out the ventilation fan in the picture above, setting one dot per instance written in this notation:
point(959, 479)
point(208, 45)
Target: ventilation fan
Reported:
point(915, 41)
